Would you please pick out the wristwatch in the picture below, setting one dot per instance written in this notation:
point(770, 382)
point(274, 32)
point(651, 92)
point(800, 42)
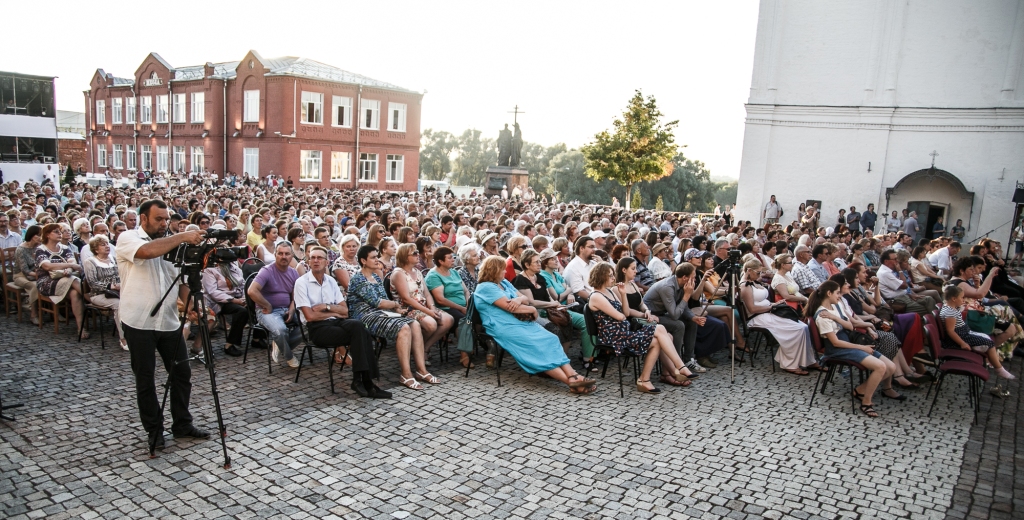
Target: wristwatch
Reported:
point(328, 308)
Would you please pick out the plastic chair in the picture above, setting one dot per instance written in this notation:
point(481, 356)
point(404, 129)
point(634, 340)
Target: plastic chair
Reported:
point(832, 365)
point(308, 346)
point(592, 330)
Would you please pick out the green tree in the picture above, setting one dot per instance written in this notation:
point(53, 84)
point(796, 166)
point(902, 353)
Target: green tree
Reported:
point(436, 148)
point(659, 205)
point(637, 201)
point(475, 154)
point(568, 178)
point(69, 176)
point(537, 164)
point(689, 188)
point(726, 193)
point(639, 149)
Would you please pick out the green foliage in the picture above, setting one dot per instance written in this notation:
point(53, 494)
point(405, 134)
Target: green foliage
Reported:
point(660, 204)
point(640, 148)
point(568, 178)
point(637, 201)
point(475, 154)
point(69, 176)
point(726, 193)
point(436, 148)
point(536, 159)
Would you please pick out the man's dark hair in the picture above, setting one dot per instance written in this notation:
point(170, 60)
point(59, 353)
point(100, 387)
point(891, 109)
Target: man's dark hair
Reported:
point(818, 250)
point(955, 244)
point(144, 208)
point(887, 255)
point(581, 242)
point(446, 219)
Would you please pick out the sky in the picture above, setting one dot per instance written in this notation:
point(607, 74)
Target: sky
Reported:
point(570, 66)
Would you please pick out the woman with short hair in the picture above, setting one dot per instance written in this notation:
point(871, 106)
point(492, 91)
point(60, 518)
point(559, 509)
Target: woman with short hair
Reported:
point(410, 290)
point(55, 273)
point(347, 265)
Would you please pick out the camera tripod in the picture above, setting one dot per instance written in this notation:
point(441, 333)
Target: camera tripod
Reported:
point(731, 273)
point(191, 275)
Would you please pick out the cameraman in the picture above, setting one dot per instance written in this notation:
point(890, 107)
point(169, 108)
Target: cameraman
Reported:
point(145, 277)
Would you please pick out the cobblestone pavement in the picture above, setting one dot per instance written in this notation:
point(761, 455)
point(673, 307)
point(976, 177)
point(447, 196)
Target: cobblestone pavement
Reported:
point(469, 449)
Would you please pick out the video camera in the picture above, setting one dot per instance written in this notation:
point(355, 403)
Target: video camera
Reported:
point(207, 252)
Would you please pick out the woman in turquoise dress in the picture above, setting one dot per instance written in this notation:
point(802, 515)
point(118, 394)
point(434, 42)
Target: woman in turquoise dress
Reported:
point(535, 349)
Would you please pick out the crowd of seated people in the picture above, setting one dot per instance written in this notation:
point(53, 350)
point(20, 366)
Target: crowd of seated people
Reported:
point(409, 267)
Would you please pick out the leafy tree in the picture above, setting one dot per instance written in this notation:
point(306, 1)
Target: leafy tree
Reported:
point(566, 171)
point(475, 154)
point(637, 201)
point(640, 149)
point(726, 193)
point(69, 176)
point(659, 205)
point(537, 161)
point(436, 148)
point(689, 188)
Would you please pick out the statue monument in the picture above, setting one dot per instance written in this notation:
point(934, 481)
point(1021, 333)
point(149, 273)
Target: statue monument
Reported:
point(509, 170)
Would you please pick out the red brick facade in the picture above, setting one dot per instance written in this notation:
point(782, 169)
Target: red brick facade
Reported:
point(278, 137)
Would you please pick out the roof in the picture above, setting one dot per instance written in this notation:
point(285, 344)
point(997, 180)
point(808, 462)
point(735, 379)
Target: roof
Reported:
point(224, 70)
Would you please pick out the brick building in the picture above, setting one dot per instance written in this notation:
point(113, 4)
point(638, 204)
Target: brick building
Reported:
point(309, 122)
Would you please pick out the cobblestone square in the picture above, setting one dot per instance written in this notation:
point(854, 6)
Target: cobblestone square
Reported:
point(470, 449)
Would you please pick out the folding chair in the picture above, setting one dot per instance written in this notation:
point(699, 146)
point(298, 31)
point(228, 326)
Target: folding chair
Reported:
point(254, 325)
point(760, 333)
point(308, 346)
point(95, 312)
point(832, 365)
point(12, 292)
point(592, 330)
point(977, 375)
point(481, 337)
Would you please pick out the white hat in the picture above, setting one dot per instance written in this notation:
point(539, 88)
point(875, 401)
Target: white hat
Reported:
point(597, 233)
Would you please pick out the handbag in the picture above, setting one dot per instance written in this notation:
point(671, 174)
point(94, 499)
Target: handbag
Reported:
point(466, 334)
point(980, 322)
point(785, 311)
point(860, 338)
point(111, 293)
point(559, 317)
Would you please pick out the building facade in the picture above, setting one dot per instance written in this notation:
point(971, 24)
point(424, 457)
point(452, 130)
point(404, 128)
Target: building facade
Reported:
point(910, 104)
point(298, 119)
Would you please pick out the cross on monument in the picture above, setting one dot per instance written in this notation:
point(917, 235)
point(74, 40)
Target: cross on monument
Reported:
point(515, 114)
point(934, 154)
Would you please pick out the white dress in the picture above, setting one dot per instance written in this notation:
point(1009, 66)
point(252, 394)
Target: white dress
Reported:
point(795, 348)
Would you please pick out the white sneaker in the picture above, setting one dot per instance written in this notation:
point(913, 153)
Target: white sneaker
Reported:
point(294, 363)
point(695, 367)
point(274, 352)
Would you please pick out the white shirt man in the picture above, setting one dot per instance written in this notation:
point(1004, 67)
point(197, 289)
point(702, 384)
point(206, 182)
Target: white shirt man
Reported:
point(890, 284)
point(941, 258)
point(577, 273)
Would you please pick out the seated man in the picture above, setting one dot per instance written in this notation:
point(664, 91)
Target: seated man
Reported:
point(896, 290)
point(325, 313)
point(271, 291)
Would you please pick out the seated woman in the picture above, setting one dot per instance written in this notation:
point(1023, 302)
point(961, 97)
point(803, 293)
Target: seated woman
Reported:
point(104, 281)
point(224, 286)
point(25, 267)
point(367, 302)
point(55, 273)
point(611, 310)
point(534, 349)
point(959, 335)
point(541, 296)
point(903, 259)
point(346, 266)
point(921, 272)
point(714, 290)
point(425, 261)
point(786, 289)
point(409, 289)
point(838, 346)
point(795, 352)
point(514, 247)
point(265, 249)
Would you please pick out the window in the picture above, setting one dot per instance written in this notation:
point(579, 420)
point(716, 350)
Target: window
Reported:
point(129, 112)
point(179, 158)
point(396, 168)
point(147, 157)
point(198, 107)
point(161, 109)
point(396, 117)
point(101, 155)
point(310, 167)
point(161, 159)
point(342, 111)
point(146, 106)
point(251, 161)
point(101, 112)
point(118, 157)
point(370, 110)
point(115, 111)
point(312, 107)
point(251, 111)
point(368, 167)
point(131, 157)
point(341, 163)
point(198, 159)
point(179, 108)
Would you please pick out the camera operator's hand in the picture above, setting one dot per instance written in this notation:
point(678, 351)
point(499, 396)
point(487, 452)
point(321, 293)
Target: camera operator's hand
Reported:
point(193, 237)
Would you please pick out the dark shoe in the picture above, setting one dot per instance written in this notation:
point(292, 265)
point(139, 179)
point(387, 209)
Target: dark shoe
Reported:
point(156, 442)
point(233, 351)
point(706, 362)
point(924, 378)
point(377, 393)
point(357, 387)
point(192, 431)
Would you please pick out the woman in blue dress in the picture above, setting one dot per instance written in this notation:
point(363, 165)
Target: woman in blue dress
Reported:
point(535, 349)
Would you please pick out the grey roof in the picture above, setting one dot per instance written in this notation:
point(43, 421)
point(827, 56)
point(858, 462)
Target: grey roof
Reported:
point(305, 67)
point(220, 70)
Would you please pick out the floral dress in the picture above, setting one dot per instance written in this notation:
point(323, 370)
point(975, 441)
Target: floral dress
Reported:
point(415, 287)
point(54, 288)
point(611, 331)
point(363, 300)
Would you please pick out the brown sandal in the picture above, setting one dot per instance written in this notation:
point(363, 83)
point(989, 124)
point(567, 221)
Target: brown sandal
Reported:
point(675, 382)
point(583, 390)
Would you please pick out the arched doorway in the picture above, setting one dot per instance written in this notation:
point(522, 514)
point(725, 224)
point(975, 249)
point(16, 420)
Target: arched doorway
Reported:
point(933, 194)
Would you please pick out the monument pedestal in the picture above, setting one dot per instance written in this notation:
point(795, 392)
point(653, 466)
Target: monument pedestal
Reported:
point(498, 176)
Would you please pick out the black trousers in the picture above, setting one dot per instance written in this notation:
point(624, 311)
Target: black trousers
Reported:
point(338, 332)
point(143, 346)
point(236, 316)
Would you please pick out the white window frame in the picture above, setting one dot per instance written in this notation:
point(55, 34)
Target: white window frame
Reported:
point(341, 166)
point(395, 165)
point(368, 164)
point(251, 161)
point(344, 103)
point(369, 109)
point(179, 158)
point(198, 159)
point(118, 162)
point(396, 117)
point(251, 106)
point(312, 108)
point(146, 109)
point(161, 158)
point(116, 114)
point(147, 157)
point(198, 107)
point(101, 155)
point(132, 161)
point(311, 165)
point(101, 112)
point(129, 110)
point(178, 108)
point(162, 109)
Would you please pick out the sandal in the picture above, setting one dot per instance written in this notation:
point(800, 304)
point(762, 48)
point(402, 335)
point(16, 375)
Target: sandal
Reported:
point(427, 378)
point(339, 360)
point(816, 367)
point(410, 383)
point(908, 385)
point(857, 394)
point(868, 410)
point(897, 397)
point(578, 381)
point(590, 366)
point(674, 382)
point(799, 371)
point(583, 390)
point(466, 363)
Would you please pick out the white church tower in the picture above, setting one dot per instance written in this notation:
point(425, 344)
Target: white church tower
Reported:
point(901, 103)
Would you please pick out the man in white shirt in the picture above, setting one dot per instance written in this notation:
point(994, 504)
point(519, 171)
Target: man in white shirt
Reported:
point(896, 289)
point(772, 211)
point(323, 309)
point(145, 278)
point(8, 238)
point(577, 272)
point(941, 258)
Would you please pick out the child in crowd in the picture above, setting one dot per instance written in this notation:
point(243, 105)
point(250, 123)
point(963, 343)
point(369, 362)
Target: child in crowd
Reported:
point(959, 335)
